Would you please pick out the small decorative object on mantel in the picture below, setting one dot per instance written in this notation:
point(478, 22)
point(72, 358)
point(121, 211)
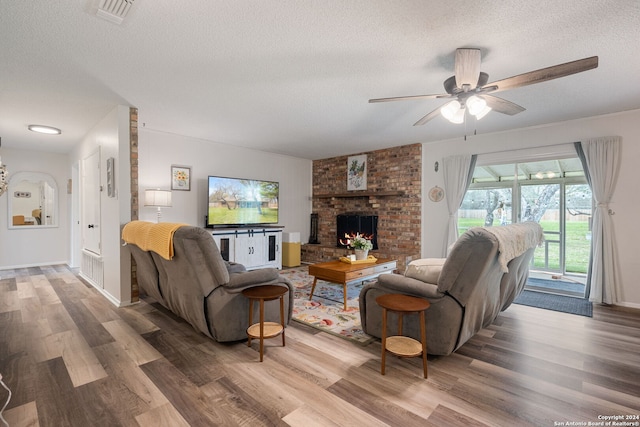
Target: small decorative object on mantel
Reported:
point(362, 246)
point(180, 178)
point(436, 194)
point(357, 172)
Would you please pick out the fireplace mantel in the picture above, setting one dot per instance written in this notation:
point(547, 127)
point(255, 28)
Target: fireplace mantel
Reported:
point(354, 194)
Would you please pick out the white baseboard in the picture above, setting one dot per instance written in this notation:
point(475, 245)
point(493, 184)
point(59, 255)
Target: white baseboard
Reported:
point(628, 305)
point(115, 301)
point(42, 264)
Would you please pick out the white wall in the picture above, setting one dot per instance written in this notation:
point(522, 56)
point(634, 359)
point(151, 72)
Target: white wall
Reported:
point(158, 151)
point(625, 202)
point(35, 246)
point(111, 135)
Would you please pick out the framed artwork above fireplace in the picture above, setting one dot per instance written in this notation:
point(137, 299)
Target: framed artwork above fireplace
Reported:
point(357, 172)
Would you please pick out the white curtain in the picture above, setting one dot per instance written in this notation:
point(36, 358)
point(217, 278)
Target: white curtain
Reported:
point(601, 158)
point(458, 172)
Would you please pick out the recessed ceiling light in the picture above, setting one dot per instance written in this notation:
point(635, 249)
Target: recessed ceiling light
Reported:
point(45, 129)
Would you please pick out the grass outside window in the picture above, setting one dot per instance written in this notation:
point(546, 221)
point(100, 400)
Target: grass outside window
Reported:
point(578, 243)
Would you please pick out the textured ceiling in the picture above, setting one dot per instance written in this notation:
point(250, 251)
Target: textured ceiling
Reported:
point(294, 77)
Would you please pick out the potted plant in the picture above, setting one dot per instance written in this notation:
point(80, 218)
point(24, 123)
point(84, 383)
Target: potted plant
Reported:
point(362, 246)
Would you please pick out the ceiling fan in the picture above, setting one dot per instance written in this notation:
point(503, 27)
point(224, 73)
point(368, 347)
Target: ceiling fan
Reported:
point(470, 92)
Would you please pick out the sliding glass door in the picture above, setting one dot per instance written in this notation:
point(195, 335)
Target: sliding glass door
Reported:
point(553, 193)
point(542, 203)
point(577, 219)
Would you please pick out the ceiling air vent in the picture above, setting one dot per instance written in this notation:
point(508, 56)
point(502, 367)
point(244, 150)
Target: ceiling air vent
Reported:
point(114, 10)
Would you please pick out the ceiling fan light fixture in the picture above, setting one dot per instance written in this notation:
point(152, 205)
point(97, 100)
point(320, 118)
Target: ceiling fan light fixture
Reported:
point(470, 88)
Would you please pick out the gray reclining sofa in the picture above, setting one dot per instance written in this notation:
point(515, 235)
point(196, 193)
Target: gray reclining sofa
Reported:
point(203, 289)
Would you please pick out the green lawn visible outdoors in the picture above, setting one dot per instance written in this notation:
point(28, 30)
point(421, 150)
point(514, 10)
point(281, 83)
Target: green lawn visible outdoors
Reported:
point(223, 215)
point(577, 244)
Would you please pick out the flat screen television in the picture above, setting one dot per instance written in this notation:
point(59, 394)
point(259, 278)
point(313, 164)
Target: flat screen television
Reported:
point(237, 202)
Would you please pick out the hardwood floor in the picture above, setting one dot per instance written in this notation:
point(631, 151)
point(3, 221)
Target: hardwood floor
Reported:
point(71, 358)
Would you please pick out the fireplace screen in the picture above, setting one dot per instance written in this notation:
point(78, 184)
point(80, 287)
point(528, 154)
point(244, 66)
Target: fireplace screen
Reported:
point(348, 226)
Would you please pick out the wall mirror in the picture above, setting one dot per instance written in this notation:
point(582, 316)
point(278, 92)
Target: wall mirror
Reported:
point(32, 201)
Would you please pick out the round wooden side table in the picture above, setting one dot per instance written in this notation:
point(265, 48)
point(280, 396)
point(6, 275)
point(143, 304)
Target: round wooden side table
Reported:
point(264, 330)
point(400, 345)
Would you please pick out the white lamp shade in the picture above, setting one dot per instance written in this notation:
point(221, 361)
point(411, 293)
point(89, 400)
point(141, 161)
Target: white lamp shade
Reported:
point(458, 117)
point(449, 110)
point(475, 105)
point(159, 198)
point(483, 113)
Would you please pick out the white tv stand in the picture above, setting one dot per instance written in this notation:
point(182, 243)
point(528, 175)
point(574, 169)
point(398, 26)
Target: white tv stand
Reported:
point(253, 247)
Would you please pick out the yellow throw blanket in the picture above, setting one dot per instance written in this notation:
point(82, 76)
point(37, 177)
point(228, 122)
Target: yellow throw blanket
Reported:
point(150, 236)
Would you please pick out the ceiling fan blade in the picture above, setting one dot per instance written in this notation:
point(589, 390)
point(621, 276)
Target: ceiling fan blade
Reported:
point(467, 67)
point(405, 98)
point(545, 74)
point(502, 105)
point(428, 117)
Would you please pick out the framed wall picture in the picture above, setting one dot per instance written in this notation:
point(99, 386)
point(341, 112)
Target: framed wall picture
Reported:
point(181, 178)
point(111, 176)
point(357, 172)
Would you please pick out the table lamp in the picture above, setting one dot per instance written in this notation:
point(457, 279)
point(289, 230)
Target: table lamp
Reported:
point(157, 198)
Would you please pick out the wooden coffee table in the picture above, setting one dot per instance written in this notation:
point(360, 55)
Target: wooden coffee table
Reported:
point(343, 273)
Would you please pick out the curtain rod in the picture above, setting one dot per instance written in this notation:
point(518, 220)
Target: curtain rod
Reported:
point(515, 150)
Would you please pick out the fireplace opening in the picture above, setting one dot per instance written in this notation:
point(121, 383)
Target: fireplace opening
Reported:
point(348, 226)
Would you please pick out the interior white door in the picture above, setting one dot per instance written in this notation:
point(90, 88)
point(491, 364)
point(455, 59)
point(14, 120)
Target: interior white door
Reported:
point(47, 194)
point(90, 203)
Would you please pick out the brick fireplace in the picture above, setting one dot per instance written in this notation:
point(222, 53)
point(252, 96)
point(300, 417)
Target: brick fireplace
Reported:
point(349, 226)
point(393, 194)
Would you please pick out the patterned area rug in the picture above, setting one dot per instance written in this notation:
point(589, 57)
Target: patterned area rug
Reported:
point(325, 311)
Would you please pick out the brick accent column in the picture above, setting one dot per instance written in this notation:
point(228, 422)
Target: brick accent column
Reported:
point(133, 153)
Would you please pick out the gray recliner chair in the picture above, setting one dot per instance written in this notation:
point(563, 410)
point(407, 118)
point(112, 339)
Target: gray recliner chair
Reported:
point(202, 288)
point(467, 290)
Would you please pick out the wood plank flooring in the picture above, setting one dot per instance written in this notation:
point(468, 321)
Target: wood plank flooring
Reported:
point(71, 358)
